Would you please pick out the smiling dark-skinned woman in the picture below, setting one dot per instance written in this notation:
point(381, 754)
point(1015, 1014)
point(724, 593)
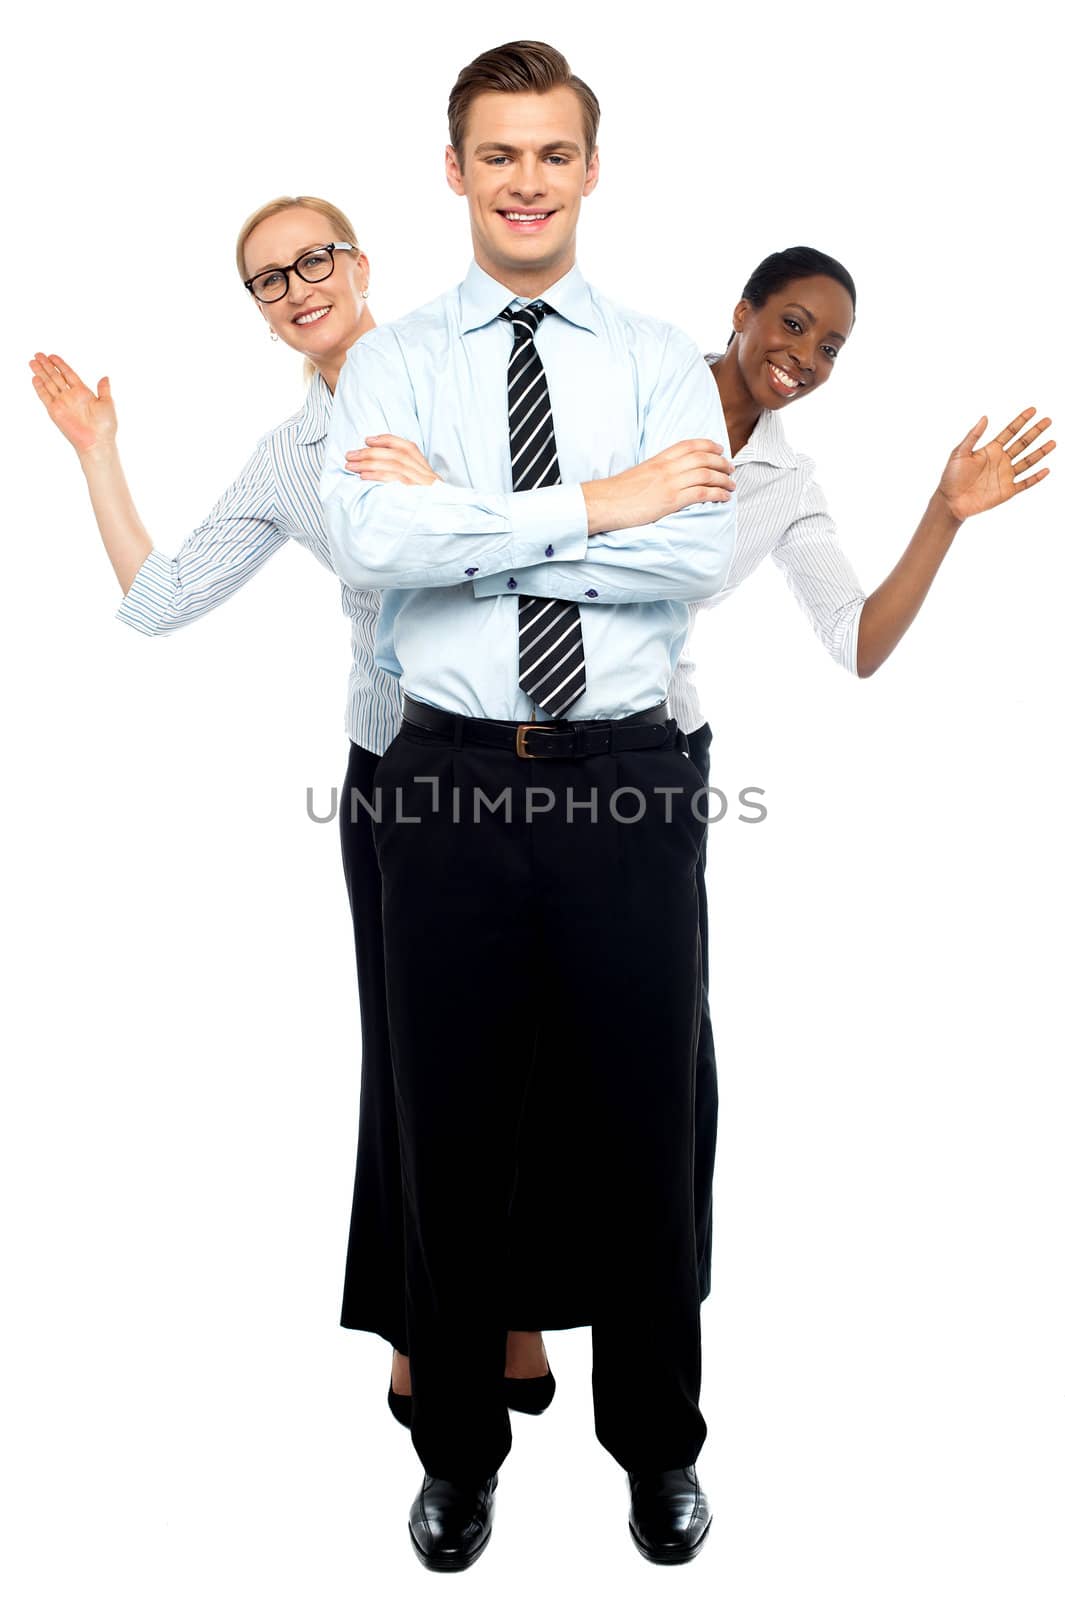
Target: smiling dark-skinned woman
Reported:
point(789, 329)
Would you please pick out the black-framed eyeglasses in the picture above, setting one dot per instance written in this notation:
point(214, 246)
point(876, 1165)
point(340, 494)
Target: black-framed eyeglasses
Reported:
point(312, 266)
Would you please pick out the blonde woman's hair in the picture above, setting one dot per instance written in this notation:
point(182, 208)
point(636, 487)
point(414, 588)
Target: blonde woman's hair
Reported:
point(341, 228)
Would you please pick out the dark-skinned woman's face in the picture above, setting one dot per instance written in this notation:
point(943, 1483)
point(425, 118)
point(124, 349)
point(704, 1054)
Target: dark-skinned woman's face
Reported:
point(788, 347)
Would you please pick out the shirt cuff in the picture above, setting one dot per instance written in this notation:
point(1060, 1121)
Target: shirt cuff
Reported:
point(549, 524)
point(849, 654)
point(546, 525)
point(147, 602)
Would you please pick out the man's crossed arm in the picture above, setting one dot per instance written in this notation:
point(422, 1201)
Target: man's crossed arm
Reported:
point(663, 529)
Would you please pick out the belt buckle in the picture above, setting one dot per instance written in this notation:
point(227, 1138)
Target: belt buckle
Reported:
point(519, 740)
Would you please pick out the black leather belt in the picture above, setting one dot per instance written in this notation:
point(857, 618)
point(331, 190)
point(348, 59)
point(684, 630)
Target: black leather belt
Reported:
point(535, 741)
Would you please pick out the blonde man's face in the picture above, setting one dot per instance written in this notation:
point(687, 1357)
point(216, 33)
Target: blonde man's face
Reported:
point(524, 173)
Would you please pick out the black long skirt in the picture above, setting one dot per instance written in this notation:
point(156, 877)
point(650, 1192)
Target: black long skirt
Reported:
point(549, 1249)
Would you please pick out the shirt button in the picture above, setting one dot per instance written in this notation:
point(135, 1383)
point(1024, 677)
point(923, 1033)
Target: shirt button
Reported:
point(550, 550)
point(470, 571)
point(512, 583)
point(592, 594)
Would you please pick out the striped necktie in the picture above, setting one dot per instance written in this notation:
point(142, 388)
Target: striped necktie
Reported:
point(550, 645)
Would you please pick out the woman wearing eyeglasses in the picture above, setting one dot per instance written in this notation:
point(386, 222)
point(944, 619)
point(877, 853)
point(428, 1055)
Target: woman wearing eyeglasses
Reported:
point(304, 269)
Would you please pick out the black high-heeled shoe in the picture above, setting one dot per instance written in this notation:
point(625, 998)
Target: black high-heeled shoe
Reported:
point(531, 1395)
point(399, 1405)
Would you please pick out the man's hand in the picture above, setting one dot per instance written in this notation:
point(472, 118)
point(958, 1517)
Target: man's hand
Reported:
point(683, 475)
point(389, 459)
point(687, 473)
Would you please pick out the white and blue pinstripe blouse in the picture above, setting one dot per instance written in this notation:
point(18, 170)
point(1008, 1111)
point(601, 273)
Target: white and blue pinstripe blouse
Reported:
point(781, 512)
point(275, 498)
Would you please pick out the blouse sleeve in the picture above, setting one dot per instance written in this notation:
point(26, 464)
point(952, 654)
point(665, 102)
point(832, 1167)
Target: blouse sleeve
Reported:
point(821, 578)
point(227, 549)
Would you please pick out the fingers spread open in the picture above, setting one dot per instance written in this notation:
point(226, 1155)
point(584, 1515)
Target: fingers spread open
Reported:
point(1028, 461)
point(1015, 426)
point(1026, 438)
point(1028, 483)
point(969, 442)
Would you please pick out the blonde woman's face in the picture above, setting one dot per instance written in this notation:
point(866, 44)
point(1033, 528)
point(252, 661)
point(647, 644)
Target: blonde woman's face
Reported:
point(321, 320)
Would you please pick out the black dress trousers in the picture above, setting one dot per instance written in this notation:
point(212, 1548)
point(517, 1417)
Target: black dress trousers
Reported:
point(533, 907)
point(553, 1236)
point(549, 1250)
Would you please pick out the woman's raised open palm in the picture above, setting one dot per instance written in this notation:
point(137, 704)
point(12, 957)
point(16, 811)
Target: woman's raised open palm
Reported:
point(86, 419)
point(975, 480)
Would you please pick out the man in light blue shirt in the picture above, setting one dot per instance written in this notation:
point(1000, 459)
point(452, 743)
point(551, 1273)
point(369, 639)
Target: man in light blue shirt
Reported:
point(451, 558)
point(535, 571)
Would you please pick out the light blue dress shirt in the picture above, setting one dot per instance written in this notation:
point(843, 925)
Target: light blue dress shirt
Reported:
point(452, 557)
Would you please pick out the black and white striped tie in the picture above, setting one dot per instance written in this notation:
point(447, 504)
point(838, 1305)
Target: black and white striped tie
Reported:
point(550, 645)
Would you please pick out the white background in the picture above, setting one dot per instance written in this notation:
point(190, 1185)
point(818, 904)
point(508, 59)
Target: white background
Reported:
point(883, 1376)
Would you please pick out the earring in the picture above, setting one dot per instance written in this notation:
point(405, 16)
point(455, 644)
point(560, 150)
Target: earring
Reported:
point(273, 335)
point(366, 294)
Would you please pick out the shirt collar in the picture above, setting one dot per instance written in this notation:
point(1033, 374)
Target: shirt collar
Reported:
point(482, 298)
point(767, 442)
point(312, 423)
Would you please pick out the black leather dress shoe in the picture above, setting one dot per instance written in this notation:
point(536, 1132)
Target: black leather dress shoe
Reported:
point(669, 1517)
point(450, 1525)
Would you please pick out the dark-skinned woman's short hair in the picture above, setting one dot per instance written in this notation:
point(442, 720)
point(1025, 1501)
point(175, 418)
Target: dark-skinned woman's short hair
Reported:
point(798, 261)
point(785, 266)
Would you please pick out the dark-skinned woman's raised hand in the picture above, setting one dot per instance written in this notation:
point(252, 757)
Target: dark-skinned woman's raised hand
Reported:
point(976, 480)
